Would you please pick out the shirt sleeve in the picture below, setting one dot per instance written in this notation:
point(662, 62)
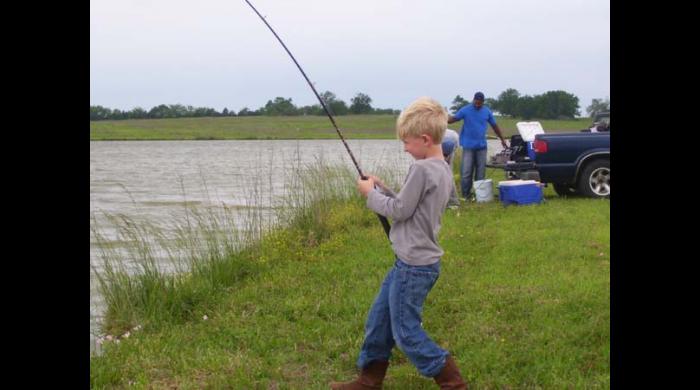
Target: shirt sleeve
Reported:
point(406, 201)
point(386, 191)
point(459, 115)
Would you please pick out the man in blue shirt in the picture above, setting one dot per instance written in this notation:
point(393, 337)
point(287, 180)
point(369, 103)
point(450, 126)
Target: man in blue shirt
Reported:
point(472, 138)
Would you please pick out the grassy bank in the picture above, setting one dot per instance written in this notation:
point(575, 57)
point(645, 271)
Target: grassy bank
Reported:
point(522, 302)
point(291, 127)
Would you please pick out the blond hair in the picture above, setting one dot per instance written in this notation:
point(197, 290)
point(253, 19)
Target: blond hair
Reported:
point(424, 116)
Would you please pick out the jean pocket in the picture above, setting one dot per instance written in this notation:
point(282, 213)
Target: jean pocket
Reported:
point(419, 283)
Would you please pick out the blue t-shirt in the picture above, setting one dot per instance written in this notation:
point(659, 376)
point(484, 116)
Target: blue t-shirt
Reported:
point(473, 134)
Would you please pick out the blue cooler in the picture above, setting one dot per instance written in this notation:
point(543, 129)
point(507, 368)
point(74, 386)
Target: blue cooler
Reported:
point(530, 151)
point(519, 192)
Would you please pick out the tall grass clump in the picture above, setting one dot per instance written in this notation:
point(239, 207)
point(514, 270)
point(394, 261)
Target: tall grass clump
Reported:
point(168, 275)
point(313, 191)
point(173, 272)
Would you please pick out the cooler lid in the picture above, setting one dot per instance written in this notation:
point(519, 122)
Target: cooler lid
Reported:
point(516, 182)
point(528, 130)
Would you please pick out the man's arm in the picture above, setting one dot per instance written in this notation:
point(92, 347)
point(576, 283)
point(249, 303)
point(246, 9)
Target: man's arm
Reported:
point(451, 119)
point(497, 130)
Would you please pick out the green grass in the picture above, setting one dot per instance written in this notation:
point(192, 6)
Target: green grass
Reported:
point(289, 127)
point(518, 308)
point(522, 301)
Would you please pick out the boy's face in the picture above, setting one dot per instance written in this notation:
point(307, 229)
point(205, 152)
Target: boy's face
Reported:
point(417, 146)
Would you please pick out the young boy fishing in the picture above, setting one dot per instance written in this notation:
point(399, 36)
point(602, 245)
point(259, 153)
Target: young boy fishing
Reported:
point(395, 316)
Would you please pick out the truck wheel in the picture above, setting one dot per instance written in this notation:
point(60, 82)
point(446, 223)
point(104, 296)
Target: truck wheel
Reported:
point(564, 189)
point(594, 181)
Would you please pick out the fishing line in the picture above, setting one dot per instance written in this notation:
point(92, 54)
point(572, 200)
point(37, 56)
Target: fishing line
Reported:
point(382, 219)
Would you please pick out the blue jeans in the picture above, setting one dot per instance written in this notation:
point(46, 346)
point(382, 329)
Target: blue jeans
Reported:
point(473, 161)
point(395, 319)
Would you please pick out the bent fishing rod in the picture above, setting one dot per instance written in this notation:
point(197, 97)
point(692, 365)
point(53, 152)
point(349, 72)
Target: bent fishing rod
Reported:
point(382, 219)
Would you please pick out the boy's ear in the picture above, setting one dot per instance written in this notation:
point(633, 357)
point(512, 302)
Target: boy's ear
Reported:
point(427, 139)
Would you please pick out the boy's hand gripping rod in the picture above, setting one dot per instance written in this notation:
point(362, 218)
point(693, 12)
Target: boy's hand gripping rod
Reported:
point(382, 218)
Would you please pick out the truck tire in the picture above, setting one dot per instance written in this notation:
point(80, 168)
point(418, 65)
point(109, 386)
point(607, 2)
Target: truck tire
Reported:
point(564, 189)
point(594, 180)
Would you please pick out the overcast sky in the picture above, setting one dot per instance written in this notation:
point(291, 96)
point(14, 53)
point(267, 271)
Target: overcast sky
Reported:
point(218, 53)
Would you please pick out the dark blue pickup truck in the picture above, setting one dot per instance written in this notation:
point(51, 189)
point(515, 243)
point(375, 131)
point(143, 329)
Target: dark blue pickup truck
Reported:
point(574, 163)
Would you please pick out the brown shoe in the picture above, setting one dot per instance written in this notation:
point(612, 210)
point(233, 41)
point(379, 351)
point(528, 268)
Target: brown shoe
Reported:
point(371, 377)
point(449, 378)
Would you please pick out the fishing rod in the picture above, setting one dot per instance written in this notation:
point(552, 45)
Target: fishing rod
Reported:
point(382, 219)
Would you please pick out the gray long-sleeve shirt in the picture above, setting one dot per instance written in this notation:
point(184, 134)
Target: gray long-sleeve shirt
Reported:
point(416, 211)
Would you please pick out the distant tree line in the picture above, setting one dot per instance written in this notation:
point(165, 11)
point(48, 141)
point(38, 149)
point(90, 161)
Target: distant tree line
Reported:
point(360, 104)
point(549, 105)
